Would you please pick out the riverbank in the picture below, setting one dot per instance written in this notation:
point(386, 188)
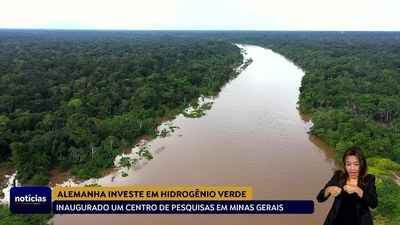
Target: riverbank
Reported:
point(346, 113)
point(135, 157)
point(256, 133)
point(5, 174)
point(255, 128)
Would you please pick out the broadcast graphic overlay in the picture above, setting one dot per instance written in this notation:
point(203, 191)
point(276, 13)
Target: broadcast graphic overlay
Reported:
point(151, 200)
point(30, 200)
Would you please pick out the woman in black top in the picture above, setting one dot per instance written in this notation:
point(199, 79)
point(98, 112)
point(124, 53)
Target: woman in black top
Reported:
point(354, 191)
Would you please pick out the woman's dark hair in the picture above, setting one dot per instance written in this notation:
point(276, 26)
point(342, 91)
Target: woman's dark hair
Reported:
point(359, 154)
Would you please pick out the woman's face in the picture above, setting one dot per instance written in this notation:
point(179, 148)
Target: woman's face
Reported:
point(352, 166)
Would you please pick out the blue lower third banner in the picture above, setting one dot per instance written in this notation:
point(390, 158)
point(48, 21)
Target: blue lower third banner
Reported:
point(30, 200)
point(184, 207)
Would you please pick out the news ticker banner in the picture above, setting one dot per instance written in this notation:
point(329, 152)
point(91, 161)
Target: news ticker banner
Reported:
point(149, 200)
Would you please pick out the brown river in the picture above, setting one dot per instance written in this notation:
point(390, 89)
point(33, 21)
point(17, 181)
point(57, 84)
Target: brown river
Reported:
point(252, 136)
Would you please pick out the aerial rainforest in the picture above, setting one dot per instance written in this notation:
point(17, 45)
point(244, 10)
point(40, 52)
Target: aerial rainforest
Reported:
point(73, 100)
point(351, 90)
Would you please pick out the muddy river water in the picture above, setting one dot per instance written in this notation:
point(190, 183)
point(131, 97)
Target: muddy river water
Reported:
point(252, 136)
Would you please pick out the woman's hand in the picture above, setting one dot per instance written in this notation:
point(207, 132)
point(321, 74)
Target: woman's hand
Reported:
point(353, 189)
point(333, 190)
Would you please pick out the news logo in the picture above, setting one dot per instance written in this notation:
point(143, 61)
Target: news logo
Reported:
point(28, 200)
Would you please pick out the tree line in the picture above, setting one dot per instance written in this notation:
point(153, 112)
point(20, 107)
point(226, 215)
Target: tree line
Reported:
point(72, 99)
point(351, 85)
point(351, 90)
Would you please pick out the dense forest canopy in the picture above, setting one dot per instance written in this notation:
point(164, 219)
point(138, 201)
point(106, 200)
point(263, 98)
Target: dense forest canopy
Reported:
point(71, 99)
point(351, 85)
point(351, 90)
point(70, 94)
point(52, 80)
